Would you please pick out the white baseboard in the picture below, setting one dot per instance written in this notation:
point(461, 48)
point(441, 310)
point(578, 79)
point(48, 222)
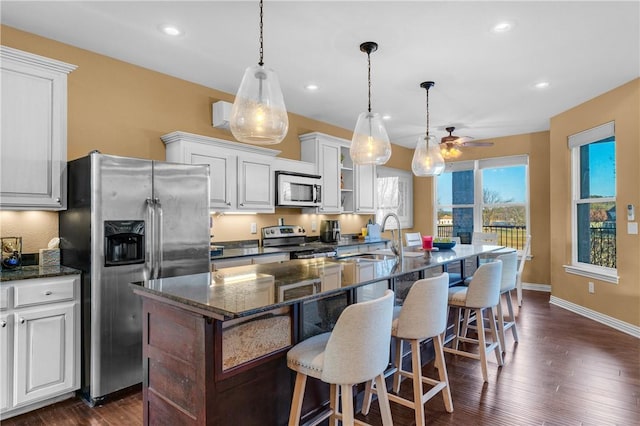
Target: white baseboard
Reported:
point(625, 327)
point(536, 287)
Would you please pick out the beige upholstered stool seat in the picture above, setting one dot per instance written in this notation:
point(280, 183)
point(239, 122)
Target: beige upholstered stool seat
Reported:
point(482, 293)
point(423, 315)
point(356, 351)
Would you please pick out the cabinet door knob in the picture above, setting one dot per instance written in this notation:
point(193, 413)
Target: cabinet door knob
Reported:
point(3, 324)
point(58, 200)
point(21, 320)
point(48, 293)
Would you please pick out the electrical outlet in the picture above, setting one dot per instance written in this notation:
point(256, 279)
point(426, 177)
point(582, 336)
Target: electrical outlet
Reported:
point(314, 226)
point(592, 288)
point(254, 228)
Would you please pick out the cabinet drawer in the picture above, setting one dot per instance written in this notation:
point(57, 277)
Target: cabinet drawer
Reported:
point(46, 291)
point(4, 298)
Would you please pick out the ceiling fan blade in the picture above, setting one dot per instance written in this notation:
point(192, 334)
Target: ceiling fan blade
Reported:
point(476, 144)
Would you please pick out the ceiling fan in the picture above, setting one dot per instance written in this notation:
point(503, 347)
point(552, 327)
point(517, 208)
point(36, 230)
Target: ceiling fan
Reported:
point(450, 145)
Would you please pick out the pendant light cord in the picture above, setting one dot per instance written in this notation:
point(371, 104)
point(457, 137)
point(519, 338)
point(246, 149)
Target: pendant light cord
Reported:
point(427, 116)
point(369, 77)
point(261, 63)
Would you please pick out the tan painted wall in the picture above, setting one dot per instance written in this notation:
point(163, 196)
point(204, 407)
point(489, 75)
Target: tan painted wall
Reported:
point(123, 109)
point(622, 105)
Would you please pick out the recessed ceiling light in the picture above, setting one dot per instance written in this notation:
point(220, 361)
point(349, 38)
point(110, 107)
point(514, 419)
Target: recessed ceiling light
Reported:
point(311, 87)
point(541, 85)
point(386, 117)
point(171, 30)
point(502, 27)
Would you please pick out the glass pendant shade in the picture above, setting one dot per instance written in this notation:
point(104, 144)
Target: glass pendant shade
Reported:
point(427, 160)
point(370, 143)
point(258, 114)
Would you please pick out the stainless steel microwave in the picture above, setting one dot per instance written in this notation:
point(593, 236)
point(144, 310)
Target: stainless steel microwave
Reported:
point(298, 189)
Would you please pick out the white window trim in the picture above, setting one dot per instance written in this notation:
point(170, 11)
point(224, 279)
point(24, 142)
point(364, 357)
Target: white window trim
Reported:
point(601, 273)
point(406, 221)
point(575, 141)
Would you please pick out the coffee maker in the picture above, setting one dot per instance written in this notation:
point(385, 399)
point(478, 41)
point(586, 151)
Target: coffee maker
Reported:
point(330, 231)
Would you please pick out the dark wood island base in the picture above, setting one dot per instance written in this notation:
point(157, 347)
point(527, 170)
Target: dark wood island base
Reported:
point(215, 344)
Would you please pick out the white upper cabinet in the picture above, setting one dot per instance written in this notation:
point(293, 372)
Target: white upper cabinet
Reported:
point(346, 188)
point(33, 144)
point(365, 196)
point(242, 176)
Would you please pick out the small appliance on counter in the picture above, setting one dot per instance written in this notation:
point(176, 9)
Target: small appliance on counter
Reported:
point(330, 231)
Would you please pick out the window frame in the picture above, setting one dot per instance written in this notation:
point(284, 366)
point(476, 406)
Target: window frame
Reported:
point(575, 142)
point(406, 220)
point(477, 166)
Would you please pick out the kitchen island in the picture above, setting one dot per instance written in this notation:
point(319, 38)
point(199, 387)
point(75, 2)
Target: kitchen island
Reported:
point(214, 345)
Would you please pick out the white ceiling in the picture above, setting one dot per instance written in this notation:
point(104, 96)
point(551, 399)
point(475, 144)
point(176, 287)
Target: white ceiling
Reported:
point(484, 81)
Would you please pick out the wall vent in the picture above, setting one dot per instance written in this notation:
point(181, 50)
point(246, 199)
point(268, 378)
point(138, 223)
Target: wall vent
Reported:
point(221, 111)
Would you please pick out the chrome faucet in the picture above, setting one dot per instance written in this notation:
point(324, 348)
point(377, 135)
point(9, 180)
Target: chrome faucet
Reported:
point(395, 248)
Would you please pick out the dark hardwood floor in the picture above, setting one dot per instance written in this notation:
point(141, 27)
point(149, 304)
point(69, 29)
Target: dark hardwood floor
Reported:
point(566, 370)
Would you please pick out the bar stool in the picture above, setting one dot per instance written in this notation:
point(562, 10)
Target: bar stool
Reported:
point(483, 292)
point(507, 284)
point(356, 351)
point(423, 315)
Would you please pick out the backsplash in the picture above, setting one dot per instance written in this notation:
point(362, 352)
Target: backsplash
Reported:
point(231, 227)
point(36, 228)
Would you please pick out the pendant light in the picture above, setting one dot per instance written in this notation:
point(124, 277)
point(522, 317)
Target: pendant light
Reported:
point(370, 143)
point(427, 160)
point(258, 114)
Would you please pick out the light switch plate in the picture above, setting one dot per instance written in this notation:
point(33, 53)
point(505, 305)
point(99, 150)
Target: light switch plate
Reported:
point(254, 228)
point(632, 228)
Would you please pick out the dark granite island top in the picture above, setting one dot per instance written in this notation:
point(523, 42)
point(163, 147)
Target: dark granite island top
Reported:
point(212, 342)
point(229, 292)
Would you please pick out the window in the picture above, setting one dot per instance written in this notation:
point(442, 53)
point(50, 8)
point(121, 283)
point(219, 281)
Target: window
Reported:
point(489, 195)
point(593, 167)
point(395, 195)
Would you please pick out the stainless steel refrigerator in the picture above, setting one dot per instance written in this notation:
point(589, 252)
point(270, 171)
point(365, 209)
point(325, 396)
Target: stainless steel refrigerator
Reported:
point(128, 220)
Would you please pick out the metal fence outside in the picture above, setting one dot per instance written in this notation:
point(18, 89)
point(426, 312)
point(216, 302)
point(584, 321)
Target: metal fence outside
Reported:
point(602, 240)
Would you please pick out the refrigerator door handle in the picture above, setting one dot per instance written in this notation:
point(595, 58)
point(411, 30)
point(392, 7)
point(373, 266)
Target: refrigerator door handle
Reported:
point(150, 262)
point(158, 245)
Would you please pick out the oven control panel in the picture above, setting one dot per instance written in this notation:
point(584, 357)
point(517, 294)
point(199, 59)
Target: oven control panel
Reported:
point(283, 231)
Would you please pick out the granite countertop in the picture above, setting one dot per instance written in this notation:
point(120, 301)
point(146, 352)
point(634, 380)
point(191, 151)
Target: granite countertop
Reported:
point(246, 290)
point(35, 271)
point(257, 251)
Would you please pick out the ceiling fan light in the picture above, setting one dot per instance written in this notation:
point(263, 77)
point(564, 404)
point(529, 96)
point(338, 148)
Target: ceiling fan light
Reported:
point(370, 143)
point(258, 114)
point(427, 159)
point(450, 152)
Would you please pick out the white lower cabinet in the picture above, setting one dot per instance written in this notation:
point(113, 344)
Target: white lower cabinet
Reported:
point(40, 352)
point(249, 260)
point(6, 347)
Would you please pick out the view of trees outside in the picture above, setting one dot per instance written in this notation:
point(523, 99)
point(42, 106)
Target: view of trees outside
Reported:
point(596, 207)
